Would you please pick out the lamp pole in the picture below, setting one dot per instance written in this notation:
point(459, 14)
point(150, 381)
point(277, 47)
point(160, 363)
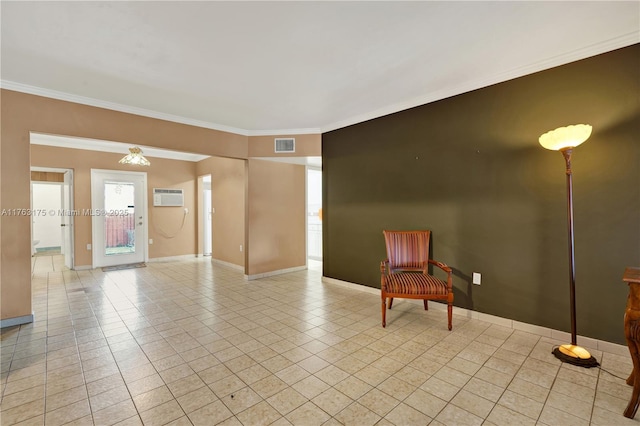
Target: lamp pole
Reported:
point(566, 153)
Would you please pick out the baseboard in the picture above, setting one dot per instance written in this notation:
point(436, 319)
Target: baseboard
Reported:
point(227, 264)
point(561, 336)
point(82, 268)
point(11, 322)
point(352, 286)
point(277, 272)
point(181, 257)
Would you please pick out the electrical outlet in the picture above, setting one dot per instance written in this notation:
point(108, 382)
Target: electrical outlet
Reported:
point(477, 278)
point(88, 246)
point(186, 211)
point(150, 240)
point(240, 247)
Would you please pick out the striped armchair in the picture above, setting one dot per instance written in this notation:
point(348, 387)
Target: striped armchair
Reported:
point(405, 274)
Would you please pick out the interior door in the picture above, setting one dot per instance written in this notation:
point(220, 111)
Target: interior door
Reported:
point(118, 202)
point(66, 222)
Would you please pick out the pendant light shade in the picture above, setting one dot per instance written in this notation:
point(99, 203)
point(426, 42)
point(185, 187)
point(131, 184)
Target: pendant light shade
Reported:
point(135, 157)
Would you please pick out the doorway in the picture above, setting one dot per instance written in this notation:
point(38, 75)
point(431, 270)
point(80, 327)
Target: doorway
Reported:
point(119, 217)
point(46, 203)
point(314, 214)
point(207, 213)
point(52, 213)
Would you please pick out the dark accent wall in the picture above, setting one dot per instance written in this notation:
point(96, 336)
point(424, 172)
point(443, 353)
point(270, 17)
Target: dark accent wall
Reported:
point(470, 169)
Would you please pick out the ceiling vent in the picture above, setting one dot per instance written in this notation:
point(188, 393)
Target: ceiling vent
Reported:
point(285, 145)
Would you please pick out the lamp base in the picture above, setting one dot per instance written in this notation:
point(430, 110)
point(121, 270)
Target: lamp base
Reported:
point(575, 355)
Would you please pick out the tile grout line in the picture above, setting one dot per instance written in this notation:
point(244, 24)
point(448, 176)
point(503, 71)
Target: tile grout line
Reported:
point(73, 322)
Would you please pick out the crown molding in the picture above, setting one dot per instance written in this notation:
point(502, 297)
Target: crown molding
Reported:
point(447, 92)
point(68, 97)
point(63, 96)
point(285, 132)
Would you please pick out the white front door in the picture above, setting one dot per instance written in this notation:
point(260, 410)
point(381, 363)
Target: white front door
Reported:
point(119, 210)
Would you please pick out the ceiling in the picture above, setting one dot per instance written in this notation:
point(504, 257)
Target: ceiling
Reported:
point(258, 68)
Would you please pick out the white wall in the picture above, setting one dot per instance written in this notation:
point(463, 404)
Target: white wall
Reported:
point(47, 199)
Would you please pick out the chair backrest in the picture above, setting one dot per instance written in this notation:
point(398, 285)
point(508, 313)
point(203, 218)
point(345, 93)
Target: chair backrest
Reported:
point(407, 250)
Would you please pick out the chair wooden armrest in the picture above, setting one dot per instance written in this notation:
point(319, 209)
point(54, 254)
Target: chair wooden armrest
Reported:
point(441, 265)
point(384, 267)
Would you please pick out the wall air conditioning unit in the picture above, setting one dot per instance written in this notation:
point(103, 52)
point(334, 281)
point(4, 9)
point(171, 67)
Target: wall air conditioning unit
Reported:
point(163, 197)
point(284, 145)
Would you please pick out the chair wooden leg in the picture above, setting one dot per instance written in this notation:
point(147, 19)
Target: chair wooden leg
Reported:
point(384, 312)
point(632, 407)
point(426, 304)
point(634, 378)
point(449, 314)
point(390, 302)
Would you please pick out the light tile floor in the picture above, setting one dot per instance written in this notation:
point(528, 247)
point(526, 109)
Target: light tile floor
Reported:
point(189, 342)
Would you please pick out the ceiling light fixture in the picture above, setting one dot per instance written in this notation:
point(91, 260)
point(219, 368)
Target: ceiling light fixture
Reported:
point(135, 157)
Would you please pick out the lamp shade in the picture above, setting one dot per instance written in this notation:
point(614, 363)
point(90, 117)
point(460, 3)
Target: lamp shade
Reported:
point(565, 137)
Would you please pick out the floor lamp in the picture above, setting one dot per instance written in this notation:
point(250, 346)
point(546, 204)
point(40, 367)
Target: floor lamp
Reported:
point(565, 139)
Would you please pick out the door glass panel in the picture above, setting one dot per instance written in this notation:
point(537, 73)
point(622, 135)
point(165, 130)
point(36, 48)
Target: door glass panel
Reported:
point(119, 218)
